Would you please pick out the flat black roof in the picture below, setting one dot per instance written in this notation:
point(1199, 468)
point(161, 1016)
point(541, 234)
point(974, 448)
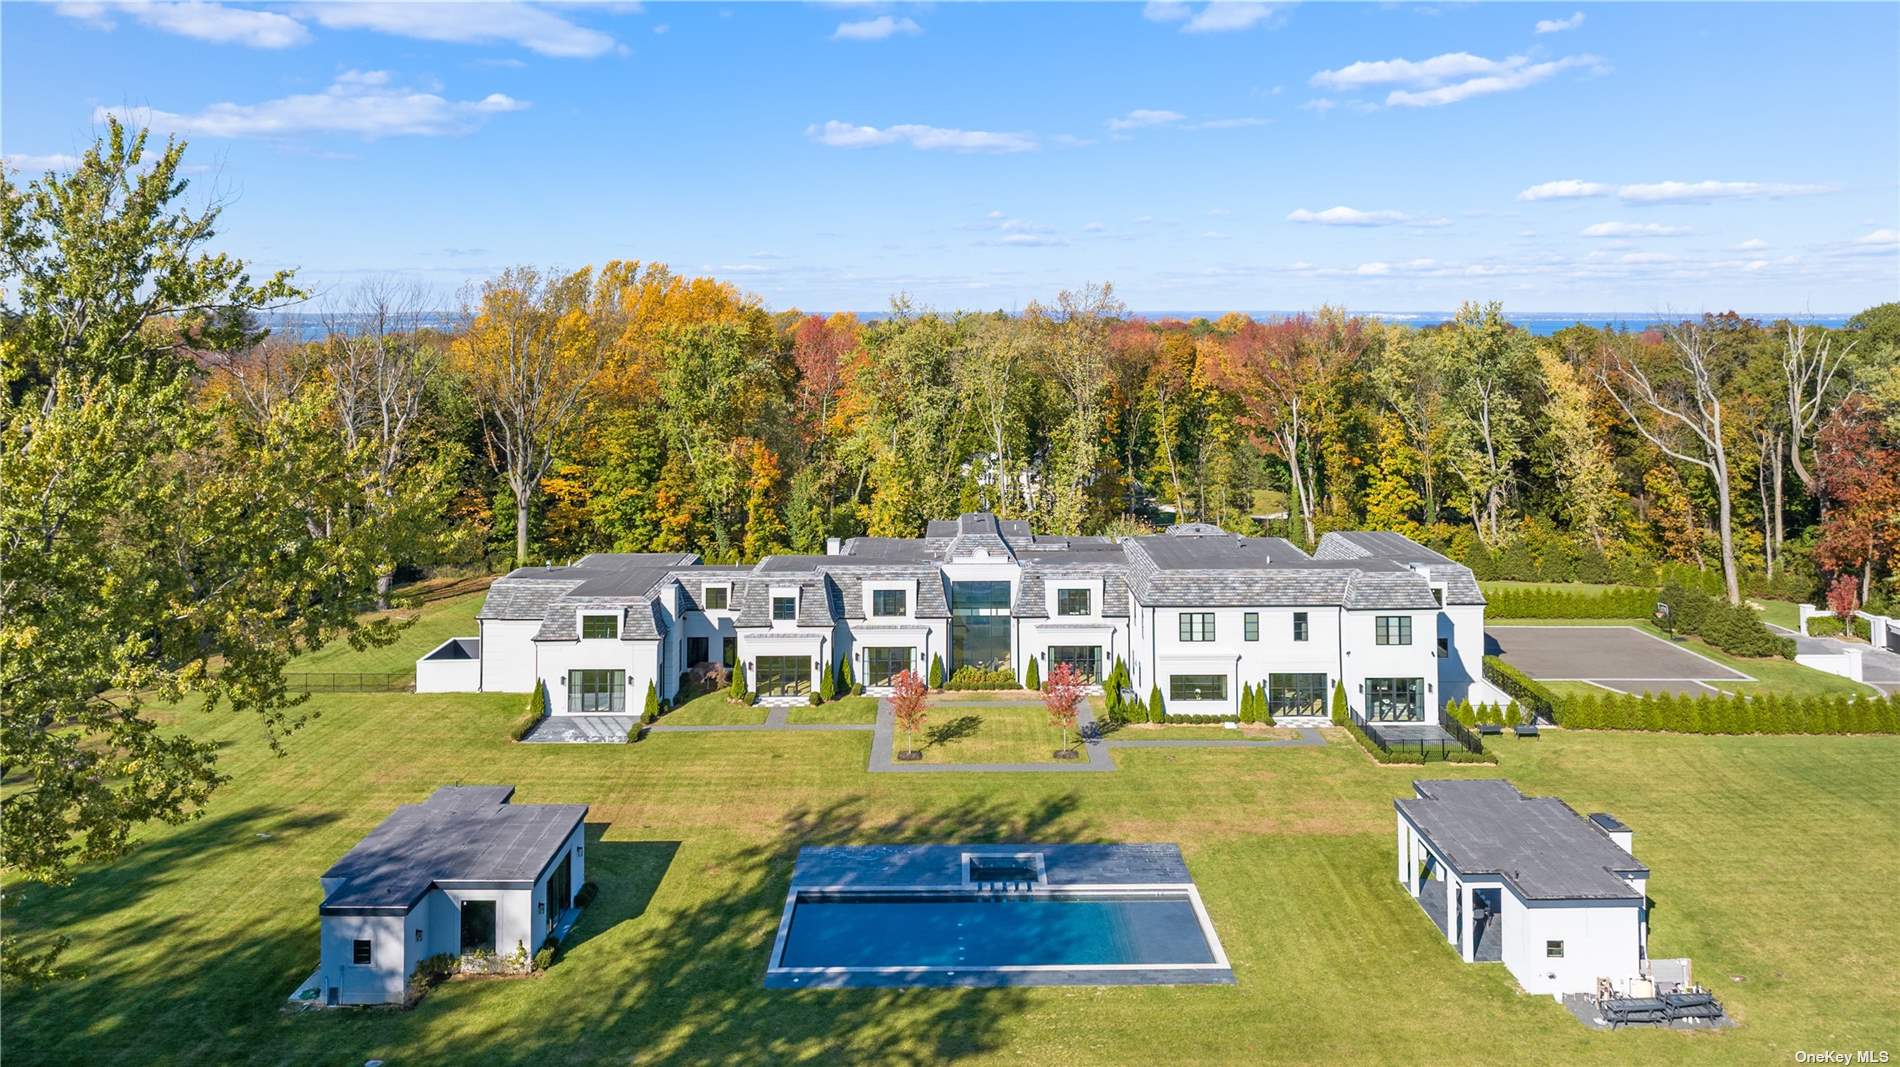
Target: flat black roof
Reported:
point(460, 834)
point(1538, 844)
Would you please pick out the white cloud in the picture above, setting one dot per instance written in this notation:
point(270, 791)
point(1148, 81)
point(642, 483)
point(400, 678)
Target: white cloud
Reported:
point(358, 102)
point(1144, 116)
point(837, 134)
point(1447, 78)
point(1373, 268)
point(32, 164)
point(1674, 192)
point(1213, 235)
point(1633, 229)
point(200, 20)
point(1346, 216)
point(1751, 244)
point(876, 29)
point(1646, 258)
point(1559, 25)
point(1028, 240)
point(1094, 227)
point(1319, 104)
point(1238, 123)
point(1519, 78)
point(1568, 189)
point(1217, 16)
point(1880, 237)
point(536, 29)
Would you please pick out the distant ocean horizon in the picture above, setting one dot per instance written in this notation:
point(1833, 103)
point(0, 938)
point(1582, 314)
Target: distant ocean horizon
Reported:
point(307, 326)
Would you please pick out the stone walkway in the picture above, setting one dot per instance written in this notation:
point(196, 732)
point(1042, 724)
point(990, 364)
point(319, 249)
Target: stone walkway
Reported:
point(582, 730)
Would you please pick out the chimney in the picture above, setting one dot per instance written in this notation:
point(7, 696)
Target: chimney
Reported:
point(1614, 830)
point(834, 546)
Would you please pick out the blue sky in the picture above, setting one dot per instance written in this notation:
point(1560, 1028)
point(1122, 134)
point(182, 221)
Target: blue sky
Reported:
point(1623, 157)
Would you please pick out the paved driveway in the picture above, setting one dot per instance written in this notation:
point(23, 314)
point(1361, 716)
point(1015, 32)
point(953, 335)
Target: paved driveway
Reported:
point(1615, 657)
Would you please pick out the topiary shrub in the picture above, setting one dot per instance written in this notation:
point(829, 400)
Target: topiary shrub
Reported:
point(1157, 711)
point(847, 683)
point(815, 698)
point(1341, 713)
point(936, 671)
point(549, 951)
point(736, 690)
point(1032, 678)
point(827, 685)
point(531, 714)
point(652, 711)
point(1246, 702)
point(982, 678)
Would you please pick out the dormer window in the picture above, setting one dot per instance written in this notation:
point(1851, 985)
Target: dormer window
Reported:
point(890, 602)
point(716, 597)
point(600, 626)
point(785, 608)
point(1072, 602)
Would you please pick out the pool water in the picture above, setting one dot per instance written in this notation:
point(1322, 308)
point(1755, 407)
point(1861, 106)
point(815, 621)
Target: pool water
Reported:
point(965, 930)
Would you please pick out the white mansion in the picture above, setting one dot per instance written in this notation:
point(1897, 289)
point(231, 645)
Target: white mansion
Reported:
point(1197, 611)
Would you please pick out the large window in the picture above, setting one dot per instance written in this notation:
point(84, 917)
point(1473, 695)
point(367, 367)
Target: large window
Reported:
point(889, 601)
point(783, 676)
point(1072, 602)
point(478, 925)
point(1086, 660)
point(979, 624)
point(883, 664)
point(1250, 626)
point(1395, 699)
point(714, 597)
point(1300, 629)
point(1296, 694)
point(597, 692)
point(1197, 687)
point(698, 650)
point(1197, 626)
point(607, 626)
point(1392, 630)
point(784, 608)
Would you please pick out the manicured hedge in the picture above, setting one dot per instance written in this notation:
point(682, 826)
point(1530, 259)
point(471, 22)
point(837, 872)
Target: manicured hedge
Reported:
point(1617, 603)
point(1521, 687)
point(1733, 628)
point(1734, 713)
point(981, 678)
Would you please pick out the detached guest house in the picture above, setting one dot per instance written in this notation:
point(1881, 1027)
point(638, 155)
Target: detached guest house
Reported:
point(465, 872)
point(1197, 612)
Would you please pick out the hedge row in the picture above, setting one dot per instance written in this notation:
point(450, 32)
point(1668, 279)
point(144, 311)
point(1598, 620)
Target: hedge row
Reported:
point(1830, 625)
point(981, 678)
point(1521, 687)
point(1733, 713)
point(1618, 603)
point(1473, 715)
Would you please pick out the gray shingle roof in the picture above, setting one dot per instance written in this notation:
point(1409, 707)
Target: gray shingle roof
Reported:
point(525, 596)
point(460, 834)
point(848, 583)
point(815, 607)
point(640, 620)
point(1375, 544)
point(1032, 598)
point(1540, 845)
point(693, 582)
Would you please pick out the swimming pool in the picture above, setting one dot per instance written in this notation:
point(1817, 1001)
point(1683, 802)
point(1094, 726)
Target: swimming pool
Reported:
point(933, 915)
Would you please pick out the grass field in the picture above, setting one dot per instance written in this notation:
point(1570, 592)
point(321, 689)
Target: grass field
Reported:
point(1783, 613)
point(434, 624)
point(1773, 859)
point(713, 709)
point(1201, 732)
point(851, 711)
point(994, 732)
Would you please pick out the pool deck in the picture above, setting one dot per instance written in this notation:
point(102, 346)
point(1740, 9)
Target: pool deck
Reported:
point(941, 869)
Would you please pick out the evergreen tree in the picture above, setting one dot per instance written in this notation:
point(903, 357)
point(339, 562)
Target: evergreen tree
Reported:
point(827, 685)
point(936, 671)
point(1032, 678)
point(1157, 711)
point(652, 711)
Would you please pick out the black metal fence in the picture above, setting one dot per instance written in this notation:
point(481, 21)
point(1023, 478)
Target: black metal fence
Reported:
point(1463, 735)
point(1457, 739)
point(350, 682)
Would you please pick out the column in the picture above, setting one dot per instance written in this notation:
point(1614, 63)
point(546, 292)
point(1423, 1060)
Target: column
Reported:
point(1453, 892)
point(1405, 850)
point(1467, 948)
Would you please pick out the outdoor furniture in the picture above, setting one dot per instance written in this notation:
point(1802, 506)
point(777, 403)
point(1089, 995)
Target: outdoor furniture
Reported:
point(1527, 730)
point(1490, 729)
point(1622, 1011)
point(1692, 1005)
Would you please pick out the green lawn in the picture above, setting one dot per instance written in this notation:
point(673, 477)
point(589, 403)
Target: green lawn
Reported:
point(1201, 732)
point(714, 709)
point(434, 624)
point(1783, 613)
point(1773, 861)
point(990, 732)
point(852, 711)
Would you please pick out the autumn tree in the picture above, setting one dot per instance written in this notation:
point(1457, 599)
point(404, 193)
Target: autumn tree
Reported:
point(1273, 371)
point(1489, 365)
point(1858, 468)
point(529, 353)
point(1585, 470)
point(908, 701)
point(1062, 694)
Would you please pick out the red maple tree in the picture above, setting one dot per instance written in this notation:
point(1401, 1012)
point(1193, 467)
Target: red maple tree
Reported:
point(1061, 696)
point(1858, 478)
point(907, 706)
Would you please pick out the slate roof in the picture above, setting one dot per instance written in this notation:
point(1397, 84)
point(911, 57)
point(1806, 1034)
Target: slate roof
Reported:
point(1207, 570)
point(526, 593)
point(848, 582)
point(460, 834)
point(815, 605)
point(1032, 598)
point(693, 582)
point(1540, 845)
point(1359, 545)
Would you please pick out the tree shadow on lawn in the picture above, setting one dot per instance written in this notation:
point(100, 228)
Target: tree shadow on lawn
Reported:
point(955, 730)
point(626, 874)
point(146, 970)
point(689, 983)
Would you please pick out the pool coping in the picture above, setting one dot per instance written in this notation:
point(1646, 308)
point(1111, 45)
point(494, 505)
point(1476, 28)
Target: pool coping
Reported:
point(1217, 972)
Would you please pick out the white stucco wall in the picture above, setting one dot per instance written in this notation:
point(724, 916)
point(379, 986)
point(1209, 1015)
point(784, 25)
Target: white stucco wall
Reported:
point(508, 655)
point(640, 659)
point(381, 981)
point(1364, 658)
point(448, 675)
point(1600, 937)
